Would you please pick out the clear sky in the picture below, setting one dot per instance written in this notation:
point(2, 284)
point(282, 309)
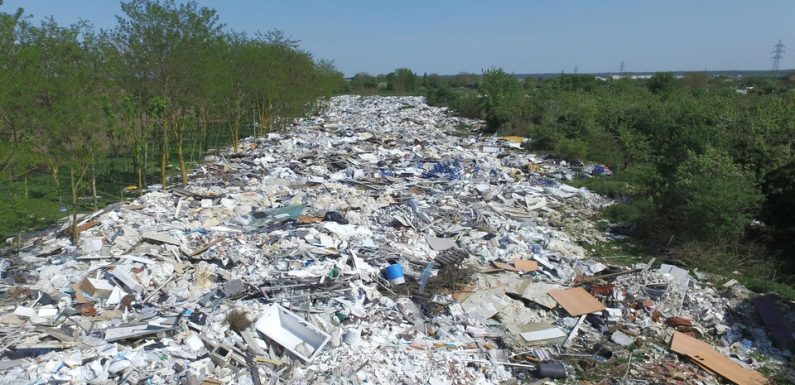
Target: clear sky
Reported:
point(530, 36)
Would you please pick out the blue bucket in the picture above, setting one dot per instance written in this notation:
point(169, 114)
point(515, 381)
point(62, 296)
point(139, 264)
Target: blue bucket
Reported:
point(394, 273)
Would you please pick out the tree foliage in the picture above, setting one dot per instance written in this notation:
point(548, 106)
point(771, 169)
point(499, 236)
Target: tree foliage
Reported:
point(716, 198)
point(167, 78)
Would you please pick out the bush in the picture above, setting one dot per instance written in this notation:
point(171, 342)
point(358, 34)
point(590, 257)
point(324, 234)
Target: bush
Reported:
point(622, 213)
point(572, 149)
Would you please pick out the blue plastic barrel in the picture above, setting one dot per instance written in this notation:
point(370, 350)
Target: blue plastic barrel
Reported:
point(394, 273)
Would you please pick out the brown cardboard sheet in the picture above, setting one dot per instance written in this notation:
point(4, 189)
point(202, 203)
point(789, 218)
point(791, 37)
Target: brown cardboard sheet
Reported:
point(577, 301)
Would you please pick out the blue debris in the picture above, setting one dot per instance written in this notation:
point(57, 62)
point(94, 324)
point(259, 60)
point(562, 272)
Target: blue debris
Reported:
point(450, 169)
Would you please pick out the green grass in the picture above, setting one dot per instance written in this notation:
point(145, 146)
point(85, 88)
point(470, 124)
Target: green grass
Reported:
point(46, 203)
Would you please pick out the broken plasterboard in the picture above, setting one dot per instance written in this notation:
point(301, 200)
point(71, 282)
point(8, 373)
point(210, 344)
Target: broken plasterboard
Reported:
point(486, 303)
point(681, 277)
point(127, 279)
point(140, 329)
point(577, 301)
point(704, 355)
point(542, 333)
point(537, 292)
point(159, 237)
point(440, 244)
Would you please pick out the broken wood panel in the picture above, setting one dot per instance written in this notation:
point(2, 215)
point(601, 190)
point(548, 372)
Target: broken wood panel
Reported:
point(704, 355)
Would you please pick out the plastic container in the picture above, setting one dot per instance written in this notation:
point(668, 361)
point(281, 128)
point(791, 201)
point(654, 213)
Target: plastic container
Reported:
point(394, 273)
point(602, 352)
point(552, 369)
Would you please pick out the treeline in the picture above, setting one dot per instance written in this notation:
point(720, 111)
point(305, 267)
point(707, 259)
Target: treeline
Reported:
point(703, 167)
point(167, 77)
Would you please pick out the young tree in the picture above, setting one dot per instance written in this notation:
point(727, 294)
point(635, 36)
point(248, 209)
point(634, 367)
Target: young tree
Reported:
point(158, 41)
point(69, 119)
point(503, 97)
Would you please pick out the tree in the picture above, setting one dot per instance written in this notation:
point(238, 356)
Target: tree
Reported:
point(662, 83)
point(74, 103)
point(401, 80)
point(363, 80)
point(157, 41)
point(503, 96)
point(68, 114)
point(716, 199)
point(779, 190)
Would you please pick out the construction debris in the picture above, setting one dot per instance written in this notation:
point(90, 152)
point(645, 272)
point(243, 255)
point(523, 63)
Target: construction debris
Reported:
point(371, 244)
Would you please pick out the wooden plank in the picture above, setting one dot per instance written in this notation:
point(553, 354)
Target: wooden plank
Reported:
point(577, 301)
point(87, 225)
point(704, 355)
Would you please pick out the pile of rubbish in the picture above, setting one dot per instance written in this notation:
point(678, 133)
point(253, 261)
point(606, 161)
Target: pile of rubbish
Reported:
point(380, 242)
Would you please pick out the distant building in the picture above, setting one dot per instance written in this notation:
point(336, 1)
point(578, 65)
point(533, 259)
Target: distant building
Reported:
point(744, 90)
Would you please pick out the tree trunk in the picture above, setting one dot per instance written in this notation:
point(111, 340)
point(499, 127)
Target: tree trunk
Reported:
point(164, 156)
point(262, 120)
point(145, 143)
point(75, 235)
point(54, 173)
point(177, 126)
point(204, 118)
point(234, 126)
point(94, 182)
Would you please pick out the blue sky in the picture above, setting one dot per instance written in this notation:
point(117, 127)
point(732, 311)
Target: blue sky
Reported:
point(449, 37)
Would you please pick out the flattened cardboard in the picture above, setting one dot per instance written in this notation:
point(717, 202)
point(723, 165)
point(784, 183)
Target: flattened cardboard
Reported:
point(577, 301)
point(503, 266)
point(99, 288)
point(525, 266)
point(703, 354)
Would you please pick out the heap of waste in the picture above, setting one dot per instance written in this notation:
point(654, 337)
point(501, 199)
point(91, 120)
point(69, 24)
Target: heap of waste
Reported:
point(380, 242)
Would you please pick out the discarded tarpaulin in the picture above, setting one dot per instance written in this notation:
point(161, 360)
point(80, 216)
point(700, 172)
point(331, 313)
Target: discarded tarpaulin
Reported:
point(781, 331)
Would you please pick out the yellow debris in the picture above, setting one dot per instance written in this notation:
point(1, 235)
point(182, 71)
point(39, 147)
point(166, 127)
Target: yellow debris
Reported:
point(515, 139)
